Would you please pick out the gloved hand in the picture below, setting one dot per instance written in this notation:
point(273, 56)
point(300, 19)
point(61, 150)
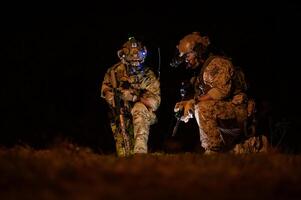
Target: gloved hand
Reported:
point(109, 97)
point(239, 99)
point(179, 106)
point(188, 107)
point(128, 95)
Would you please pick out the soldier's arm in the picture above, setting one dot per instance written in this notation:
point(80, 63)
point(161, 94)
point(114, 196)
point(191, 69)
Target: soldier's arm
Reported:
point(107, 89)
point(204, 97)
point(151, 96)
point(219, 72)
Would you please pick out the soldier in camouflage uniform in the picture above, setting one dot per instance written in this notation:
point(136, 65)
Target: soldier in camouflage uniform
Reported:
point(136, 89)
point(220, 103)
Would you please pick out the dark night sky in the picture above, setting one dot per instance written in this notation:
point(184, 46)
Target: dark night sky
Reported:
point(57, 55)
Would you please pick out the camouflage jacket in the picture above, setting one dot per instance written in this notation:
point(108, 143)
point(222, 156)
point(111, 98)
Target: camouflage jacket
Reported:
point(144, 82)
point(217, 79)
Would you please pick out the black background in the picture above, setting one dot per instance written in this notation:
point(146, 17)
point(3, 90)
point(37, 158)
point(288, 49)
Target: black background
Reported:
point(55, 56)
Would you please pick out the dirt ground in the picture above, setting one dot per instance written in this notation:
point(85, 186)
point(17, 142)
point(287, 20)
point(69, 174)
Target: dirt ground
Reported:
point(77, 173)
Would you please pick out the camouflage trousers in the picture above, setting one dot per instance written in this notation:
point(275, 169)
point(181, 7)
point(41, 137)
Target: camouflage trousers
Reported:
point(137, 131)
point(210, 114)
point(142, 119)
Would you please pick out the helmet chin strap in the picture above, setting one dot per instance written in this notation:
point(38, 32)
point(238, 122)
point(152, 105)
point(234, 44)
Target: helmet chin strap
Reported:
point(135, 69)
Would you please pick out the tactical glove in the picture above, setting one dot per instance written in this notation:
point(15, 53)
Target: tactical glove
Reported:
point(188, 107)
point(128, 95)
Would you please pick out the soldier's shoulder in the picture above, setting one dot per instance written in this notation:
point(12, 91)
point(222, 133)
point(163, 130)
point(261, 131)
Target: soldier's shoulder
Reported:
point(116, 66)
point(221, 61)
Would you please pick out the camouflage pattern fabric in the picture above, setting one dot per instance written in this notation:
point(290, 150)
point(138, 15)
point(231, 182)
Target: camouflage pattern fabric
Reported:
point(207, 114)
point(142, 119)
point(120, 143)
point(145, 85)
point(254, 144)
point(218, 76)
point(225, 107)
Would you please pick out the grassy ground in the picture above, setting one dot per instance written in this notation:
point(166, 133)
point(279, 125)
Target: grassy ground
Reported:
point(72, 172)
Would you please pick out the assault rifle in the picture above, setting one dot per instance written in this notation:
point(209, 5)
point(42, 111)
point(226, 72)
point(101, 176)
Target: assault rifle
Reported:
point(178, 114)
point(119, 111)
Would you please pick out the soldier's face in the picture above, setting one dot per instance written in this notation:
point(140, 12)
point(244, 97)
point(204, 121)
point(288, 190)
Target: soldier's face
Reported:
point(136, 56)
point(191, 60)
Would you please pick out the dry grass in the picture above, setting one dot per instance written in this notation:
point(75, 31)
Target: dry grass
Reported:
point(71, 172)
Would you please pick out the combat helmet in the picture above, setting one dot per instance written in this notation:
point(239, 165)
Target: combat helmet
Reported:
point(191, 42)
point(133, 52)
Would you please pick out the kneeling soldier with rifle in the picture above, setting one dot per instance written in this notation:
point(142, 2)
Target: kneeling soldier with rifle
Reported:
point(132, 90)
